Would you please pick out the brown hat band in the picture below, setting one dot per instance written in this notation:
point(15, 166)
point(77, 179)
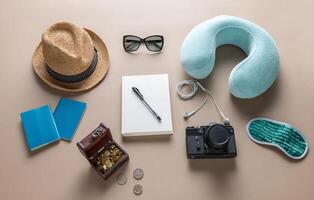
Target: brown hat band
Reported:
point(77, 77)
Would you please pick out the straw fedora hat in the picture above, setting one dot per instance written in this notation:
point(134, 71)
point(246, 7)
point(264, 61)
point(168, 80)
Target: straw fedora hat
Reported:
point(70, 58)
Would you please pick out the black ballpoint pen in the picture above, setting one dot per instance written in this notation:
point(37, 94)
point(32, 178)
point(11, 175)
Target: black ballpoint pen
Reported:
point(138, 93)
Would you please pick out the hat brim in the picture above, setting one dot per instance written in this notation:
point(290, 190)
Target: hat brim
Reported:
point(87, 84)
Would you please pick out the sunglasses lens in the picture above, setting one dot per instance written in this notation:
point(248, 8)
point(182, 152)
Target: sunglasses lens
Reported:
point(154, 43)
point(131, 43)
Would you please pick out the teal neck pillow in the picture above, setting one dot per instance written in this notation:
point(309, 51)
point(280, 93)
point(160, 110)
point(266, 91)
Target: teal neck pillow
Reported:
point(253, 75)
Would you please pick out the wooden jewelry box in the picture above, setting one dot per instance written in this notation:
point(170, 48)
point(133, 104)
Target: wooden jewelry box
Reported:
point(102, 152)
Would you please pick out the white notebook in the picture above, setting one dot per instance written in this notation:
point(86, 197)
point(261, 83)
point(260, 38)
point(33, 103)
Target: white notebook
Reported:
point(137, 120)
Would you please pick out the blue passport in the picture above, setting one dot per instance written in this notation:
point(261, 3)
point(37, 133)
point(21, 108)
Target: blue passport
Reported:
point(39, 127)
point(67, 115)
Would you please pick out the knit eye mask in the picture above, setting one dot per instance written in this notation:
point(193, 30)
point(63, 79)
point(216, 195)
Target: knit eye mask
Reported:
point(279, 134)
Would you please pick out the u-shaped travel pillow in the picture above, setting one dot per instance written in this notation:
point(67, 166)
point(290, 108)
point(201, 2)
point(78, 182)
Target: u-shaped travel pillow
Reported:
point(253, 75)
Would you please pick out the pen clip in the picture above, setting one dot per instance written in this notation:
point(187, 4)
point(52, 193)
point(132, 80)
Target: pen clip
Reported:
point(138, 93)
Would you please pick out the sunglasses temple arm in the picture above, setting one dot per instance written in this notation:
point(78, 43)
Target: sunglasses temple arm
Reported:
point(155, 44)
point(131, 45)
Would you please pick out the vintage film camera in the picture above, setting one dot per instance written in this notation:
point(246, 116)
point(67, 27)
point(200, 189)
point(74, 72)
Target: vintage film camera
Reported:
point(212, 141)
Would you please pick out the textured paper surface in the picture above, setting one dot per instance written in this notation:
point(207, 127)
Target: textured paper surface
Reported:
point(136, 118)
point(62, 173)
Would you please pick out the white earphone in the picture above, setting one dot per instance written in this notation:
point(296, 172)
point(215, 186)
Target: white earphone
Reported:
point(194, 85)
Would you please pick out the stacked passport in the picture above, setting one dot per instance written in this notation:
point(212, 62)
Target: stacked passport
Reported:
point(42, 127)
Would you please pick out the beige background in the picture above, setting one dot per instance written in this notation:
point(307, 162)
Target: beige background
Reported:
point(61, 172)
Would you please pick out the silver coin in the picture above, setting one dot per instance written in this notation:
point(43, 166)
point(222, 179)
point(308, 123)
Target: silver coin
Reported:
point(138, 173)
point(121, 179)
point(138, 189)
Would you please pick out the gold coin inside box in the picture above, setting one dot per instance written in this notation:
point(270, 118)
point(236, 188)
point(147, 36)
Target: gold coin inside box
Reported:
point(108, 158)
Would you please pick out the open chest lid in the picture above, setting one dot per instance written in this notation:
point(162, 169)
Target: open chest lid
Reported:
point(95, 141)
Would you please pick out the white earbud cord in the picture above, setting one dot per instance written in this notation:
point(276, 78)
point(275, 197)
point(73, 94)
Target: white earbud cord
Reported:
point(194, 87)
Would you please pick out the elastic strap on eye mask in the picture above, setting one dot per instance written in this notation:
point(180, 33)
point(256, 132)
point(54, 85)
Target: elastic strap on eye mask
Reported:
point(194, 85)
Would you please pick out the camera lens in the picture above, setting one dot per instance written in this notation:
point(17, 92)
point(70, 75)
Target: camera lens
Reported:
point(217, 136)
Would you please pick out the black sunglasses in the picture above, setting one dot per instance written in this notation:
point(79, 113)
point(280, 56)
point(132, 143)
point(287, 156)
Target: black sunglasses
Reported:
point(153, 43)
